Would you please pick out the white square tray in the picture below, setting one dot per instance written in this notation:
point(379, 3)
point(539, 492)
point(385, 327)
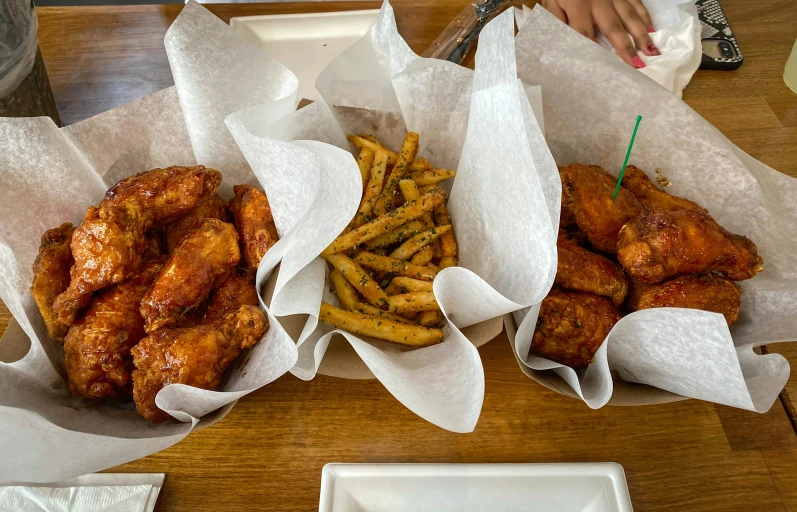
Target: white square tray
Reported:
point(589, 487)
point(305, 43)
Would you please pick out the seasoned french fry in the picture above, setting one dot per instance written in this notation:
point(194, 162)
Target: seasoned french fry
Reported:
point(423, 257)
point(448, 261)
point(387, 222)
point(410, 193)
point(346, 293)
point(359, 278)
point(426, 188)
point(400, 234)
point(448, 243)
point(361, 143)
point(394, 266)
point(432, 177)
point(369, 310)
point(364, 161)
point(411, 316)
point(383, 329)
point(419, 241)
point(412, 285)
point(371, 138)
point(431, 318)
point(413, 301)
point(407, 155)
point(420, 165)
point(373, 189)
point(393, 289)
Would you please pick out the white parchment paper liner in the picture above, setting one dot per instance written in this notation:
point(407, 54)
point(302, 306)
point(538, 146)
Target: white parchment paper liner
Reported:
point(591, 100)
point(48, 176)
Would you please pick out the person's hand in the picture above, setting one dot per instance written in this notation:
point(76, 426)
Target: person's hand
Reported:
point(616, 19)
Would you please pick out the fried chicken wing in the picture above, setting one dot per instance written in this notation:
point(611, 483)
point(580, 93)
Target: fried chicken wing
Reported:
point(106, 247)
point(706, 292)
point(97, 347)
point(201, 261)
point(254, 222)
point(572, 326)
point(51, 276)
point(587, 196)
point(210, 207)
point(585, 271)
point(660, 244)
point(650, 195)
point(233, 293)
point(196, 356)
point(166, 193)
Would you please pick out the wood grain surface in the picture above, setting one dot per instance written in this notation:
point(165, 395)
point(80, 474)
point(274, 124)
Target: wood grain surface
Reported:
point(268, 453)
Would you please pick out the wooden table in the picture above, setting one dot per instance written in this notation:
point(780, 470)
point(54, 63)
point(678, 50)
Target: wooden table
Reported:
point(268, 453)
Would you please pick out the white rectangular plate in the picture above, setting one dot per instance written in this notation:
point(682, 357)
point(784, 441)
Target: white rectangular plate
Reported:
point(589, 487)
point(305, 43)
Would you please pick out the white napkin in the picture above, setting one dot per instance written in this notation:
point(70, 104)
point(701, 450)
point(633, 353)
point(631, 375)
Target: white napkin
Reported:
point(102, 492)
point(677, 36)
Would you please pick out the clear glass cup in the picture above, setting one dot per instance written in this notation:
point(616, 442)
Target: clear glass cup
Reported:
point(790, 74)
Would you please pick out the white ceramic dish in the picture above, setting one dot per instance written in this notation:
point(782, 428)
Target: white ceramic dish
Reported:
point(589, 487)
point(305, 43)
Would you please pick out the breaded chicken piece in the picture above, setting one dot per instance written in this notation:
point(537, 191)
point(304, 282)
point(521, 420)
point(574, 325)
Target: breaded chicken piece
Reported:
point(706, 292)
point(210, 207)
point(51, 276)
point(660, 244)
point(587, 196)
point(196, 356)
point(571, 327)
point(649, 195)
point(97, 347)
point(254, 222)
point(201, 261)
point(585, 271)
point(233, 293)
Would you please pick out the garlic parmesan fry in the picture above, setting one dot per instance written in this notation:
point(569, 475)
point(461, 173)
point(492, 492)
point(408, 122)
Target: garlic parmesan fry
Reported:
point(361, 143)
point(369, 310)
point(405, 158)
point(359, 278)
point(432, 177)
point(346, 293)
point(420, 165)
point(364, 161)
point(373, 189)
point(413, 301)
point(448, 244)
point(384, 223)
point(423, 257)
point(412, 285)
point(431, 318)
point(398, 235)
point(394, 266)
point(383, 329)
point(418, 242)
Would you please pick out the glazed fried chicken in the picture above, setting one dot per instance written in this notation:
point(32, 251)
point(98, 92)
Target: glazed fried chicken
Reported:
point(660, 244)
point(106, 247)
point(706, 292)
point(196, 356)
point(585, 271)
point(97, 347)
point(51, 276)
point(254, 221)
point(587, 197)
point(210, 207)
point(165, 193)
point(571, 327)
point(650, 195)
point(201, 261)
point(233, 293)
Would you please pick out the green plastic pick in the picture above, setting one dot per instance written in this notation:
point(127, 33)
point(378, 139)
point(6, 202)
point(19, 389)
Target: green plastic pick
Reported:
point(627, 156)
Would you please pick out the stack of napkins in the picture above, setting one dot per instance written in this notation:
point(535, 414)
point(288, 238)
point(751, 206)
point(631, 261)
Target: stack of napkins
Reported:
point(133, 492)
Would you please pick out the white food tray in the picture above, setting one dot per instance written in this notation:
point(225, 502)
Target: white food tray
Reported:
point(305, 43)
point(589, 487)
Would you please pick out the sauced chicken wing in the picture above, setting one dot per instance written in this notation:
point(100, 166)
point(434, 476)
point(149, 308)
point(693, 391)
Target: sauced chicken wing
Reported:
point(660, 244)
point(166, 193)
point(106, 247)
point(201, 261)
point(582, 270)
point(572, 326)
point(255, 224)
point(587, 196)
point(97, 347)
point(233, 293)
point(650, 195)
point(706, 292)
point(51, 276)
point(210, 207)
point(196, 356)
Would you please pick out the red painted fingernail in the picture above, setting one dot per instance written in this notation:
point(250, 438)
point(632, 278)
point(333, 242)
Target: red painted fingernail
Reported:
point(651, 29)
point(637, 62)
point(653, 50)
